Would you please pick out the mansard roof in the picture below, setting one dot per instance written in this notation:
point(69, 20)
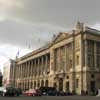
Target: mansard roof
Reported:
point(80, 27)
point(91, 30)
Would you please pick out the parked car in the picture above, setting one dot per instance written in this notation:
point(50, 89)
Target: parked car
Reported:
point(33, 92)
point(98, 92)
point(2, 89)
point(62, 93)
point(10, 91)
point(25, 92)
point(18, 91)
point(51, 91)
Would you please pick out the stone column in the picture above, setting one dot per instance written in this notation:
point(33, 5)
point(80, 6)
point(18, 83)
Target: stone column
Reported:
point(60, 63)
point(52, 61)
point(86, 66)
point(22, 71)
point(39, 66)
point(29, 65)
point(16, 75)
point(95, 55)
point(46, 64)
point(18, 71)
point(86, 55)
point(31, 68)
point(72, 86)
point(25, 70)
point(42, 70)
point(35, 67)
point(26, 67)
point(65, 59)
point(82, 63)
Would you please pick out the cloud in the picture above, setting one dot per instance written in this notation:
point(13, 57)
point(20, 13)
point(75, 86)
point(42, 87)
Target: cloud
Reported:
point(60, 12)
point(8, 51)
point(24, 34)
point(7, 7)
point(25, 23)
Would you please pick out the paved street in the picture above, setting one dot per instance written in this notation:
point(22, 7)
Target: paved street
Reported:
point(52, 98)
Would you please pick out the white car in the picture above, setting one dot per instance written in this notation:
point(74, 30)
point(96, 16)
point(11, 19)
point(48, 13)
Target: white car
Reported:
point(98, 92)
point(2, 90)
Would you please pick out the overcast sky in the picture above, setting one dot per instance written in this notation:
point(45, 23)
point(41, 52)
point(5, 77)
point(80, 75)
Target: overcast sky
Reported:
point(26, 25)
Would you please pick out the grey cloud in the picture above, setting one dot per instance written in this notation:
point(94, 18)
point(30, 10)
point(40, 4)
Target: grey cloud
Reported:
point(61, 12)
point(37, 20)
point(27, 34)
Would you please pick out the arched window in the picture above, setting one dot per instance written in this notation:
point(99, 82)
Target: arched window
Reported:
point(34, 84)
point(42, 83)
point(46, 83)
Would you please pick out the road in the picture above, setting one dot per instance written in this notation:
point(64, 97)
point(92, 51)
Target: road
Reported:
point(52, 98)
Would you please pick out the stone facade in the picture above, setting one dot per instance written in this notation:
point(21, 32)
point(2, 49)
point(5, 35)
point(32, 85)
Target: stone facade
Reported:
point(70, 63)
point(9, 73)
point(12, 73)
point(1, 77)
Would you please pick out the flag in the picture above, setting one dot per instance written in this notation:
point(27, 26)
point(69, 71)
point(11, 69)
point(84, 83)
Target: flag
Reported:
point(17, 54)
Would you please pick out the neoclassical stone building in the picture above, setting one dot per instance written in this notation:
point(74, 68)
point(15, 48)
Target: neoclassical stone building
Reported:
point(71, 62)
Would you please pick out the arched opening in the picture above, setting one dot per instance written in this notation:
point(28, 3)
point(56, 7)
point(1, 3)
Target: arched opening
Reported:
point(67, 86)
point(31, 85)
point(60, 84)
point(92, 86)
point(46, 83)
point(38, 84)
point(55, 85)
point(28, 85)
point(42, 83)
point(34, 84)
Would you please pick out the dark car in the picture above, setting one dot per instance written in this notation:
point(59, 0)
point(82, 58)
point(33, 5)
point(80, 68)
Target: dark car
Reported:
point(11, 91)
point(51, 91)
point(18, 91)
point(61, 93)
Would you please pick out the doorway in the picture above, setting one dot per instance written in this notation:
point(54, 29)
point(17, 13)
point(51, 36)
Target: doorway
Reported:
point(67, 86)
point(92, 86)
point(60, 84)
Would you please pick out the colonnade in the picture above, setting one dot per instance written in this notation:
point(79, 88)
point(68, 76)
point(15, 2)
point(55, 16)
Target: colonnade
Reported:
point(29, 72)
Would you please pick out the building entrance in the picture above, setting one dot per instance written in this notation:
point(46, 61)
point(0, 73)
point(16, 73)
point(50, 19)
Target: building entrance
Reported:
point(67, 86)
point(92, 86)
point(60, 84)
